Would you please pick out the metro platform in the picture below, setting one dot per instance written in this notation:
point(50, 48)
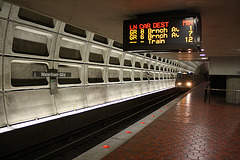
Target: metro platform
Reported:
point(185, 128)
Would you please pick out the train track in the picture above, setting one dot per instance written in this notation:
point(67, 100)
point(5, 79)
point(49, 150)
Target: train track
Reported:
point(74, 143)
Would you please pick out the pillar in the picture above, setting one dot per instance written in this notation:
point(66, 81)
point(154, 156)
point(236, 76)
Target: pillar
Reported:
point(233, 83)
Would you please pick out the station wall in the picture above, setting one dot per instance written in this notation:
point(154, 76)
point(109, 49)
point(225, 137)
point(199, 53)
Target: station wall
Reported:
point(224, 66)
point(100, 70)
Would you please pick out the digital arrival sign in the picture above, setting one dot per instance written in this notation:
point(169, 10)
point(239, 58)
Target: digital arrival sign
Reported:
point(162, 34)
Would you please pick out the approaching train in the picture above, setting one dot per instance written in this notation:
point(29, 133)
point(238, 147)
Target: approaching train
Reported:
point(188, 79)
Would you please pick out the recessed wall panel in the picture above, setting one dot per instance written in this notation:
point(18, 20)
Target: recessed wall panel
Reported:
point(35, 19)
point(94, 74)
point(28, 41)
point(115, 58)
point(97, 55)
point(113, 75)
point(18, 73)
point(69, 49)
point(128, 60)
point(75, 70)
point(74, 32)
point(127, 75)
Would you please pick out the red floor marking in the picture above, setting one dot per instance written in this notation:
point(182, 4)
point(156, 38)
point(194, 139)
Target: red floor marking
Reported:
point(106, 146)
point(128, 132)
point(166, 107)
point(160, 110)
point(143, 122)
point(153, 116)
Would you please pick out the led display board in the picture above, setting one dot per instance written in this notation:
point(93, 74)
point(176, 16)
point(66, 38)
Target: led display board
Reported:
point(162, 34)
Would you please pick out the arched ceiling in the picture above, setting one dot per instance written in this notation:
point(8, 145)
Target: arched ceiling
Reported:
point(220, 19)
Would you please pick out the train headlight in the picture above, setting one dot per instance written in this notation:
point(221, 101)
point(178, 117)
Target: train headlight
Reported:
point(179, 83)
point(189, 84)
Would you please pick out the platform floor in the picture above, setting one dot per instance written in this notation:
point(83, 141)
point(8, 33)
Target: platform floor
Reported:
point(190, 129)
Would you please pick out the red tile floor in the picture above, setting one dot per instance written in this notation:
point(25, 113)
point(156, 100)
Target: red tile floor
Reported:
point(191, 129)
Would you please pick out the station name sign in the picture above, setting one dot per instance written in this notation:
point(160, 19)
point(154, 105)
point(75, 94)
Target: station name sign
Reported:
point(51, 74)
point(162, 34)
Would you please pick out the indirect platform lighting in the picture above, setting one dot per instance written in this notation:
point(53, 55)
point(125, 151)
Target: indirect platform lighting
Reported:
point(204, 58)
point(202, 50)
point(202, 55)
point(5, 129)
